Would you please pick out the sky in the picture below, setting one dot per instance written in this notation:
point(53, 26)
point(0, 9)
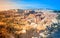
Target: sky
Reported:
point(29, 4)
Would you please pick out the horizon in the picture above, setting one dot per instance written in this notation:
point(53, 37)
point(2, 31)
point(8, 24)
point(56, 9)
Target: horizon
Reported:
point(29, 4)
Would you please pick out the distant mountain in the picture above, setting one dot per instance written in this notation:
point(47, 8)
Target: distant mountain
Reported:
point(56, 11)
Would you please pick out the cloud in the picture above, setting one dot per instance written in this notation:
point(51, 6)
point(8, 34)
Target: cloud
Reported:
point(8, 4)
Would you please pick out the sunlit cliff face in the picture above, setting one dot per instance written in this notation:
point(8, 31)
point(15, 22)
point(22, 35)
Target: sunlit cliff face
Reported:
point(21, 25)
